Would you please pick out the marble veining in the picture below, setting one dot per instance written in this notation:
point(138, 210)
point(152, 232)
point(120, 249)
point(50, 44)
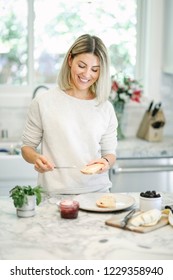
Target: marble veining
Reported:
point(47, 236)
point(135, 147)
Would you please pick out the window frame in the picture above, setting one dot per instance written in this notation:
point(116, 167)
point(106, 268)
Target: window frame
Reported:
point(148, 58)
point(150, 35)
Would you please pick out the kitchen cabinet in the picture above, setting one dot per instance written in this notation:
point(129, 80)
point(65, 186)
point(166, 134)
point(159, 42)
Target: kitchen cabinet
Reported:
point(14, 170)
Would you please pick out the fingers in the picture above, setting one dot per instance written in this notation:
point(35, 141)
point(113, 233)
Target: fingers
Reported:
point(100, 160)
point(43, 165)
point(103, 169)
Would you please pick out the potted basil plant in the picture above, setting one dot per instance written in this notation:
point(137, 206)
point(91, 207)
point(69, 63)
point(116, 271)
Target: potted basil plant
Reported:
point(25, 198)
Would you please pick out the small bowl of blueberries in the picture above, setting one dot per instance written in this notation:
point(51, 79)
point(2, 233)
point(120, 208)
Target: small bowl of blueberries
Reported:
point(150, 200)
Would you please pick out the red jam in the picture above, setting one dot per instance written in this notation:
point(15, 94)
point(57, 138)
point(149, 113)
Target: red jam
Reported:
point(69, 209)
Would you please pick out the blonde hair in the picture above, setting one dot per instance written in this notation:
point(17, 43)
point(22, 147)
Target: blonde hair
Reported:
point(88, 44)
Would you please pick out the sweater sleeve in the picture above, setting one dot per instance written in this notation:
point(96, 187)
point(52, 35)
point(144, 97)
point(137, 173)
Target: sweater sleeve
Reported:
point(109, 138)
point(32, 133)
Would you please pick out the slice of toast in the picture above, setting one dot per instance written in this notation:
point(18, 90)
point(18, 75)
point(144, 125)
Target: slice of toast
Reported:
point(106, 201)
point(92, 169)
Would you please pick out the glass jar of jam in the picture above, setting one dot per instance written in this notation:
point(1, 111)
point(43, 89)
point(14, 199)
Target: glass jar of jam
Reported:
point(69, 209)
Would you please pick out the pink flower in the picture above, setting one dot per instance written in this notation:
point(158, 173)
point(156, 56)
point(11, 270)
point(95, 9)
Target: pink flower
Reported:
point(136, 95)
point(124, 88)
point(115, 86)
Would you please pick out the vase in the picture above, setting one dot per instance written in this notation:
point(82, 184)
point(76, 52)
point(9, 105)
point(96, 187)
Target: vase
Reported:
point(119, 110)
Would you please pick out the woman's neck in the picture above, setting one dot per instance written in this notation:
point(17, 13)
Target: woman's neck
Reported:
point(86, 95)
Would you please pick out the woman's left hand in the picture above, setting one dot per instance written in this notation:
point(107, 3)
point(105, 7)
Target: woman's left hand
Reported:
point(105, 167)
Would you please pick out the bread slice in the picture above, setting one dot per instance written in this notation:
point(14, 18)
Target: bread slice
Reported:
point(106, 201)
point(92, 169)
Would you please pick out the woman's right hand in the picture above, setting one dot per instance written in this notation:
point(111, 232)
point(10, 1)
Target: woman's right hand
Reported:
point(42, 164)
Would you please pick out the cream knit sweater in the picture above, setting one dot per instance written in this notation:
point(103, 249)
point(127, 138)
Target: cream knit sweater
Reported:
point(71, 131)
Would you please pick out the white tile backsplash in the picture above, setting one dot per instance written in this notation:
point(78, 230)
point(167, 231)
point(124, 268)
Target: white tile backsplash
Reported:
point(13, 119)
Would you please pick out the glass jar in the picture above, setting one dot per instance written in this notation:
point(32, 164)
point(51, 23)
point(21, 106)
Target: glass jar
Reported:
point(69, 209)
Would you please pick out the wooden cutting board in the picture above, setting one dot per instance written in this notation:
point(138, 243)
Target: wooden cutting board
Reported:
point(114, 222)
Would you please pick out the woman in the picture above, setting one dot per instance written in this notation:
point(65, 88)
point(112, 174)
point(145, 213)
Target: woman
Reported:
point(74, 122)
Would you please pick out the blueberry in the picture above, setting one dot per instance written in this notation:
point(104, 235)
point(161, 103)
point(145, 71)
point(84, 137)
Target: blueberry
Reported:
point(149, 194)
point(142, 194)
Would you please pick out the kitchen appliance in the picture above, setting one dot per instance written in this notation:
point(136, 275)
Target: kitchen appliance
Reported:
point(142, 174)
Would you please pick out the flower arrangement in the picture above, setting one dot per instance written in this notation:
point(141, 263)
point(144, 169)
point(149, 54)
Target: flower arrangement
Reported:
point(124, 89)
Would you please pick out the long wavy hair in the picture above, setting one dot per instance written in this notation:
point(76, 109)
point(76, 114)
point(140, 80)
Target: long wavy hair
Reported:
point(88, 44)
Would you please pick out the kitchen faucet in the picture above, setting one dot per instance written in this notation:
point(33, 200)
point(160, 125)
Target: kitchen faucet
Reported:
point(37, 89)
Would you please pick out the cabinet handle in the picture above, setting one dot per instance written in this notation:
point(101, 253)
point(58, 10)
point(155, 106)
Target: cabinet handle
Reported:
point(137, 169)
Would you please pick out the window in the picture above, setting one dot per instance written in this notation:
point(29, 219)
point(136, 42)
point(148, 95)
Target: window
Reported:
point(13, 42)
point(35, 35)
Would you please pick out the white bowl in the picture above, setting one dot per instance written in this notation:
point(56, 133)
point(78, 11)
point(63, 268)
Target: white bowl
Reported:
point(149, 203)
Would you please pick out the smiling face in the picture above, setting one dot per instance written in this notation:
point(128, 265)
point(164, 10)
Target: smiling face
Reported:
point(85, 70)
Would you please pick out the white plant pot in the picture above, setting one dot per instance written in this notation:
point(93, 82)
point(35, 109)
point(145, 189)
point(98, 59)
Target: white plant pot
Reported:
point(27, 210)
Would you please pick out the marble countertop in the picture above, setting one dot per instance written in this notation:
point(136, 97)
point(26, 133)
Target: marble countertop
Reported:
point(47, 236)
point(130, 147)
point(138, 148)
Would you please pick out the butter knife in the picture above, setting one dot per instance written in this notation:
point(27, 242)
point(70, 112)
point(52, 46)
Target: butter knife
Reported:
point(59, 167)
point(125, 220)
